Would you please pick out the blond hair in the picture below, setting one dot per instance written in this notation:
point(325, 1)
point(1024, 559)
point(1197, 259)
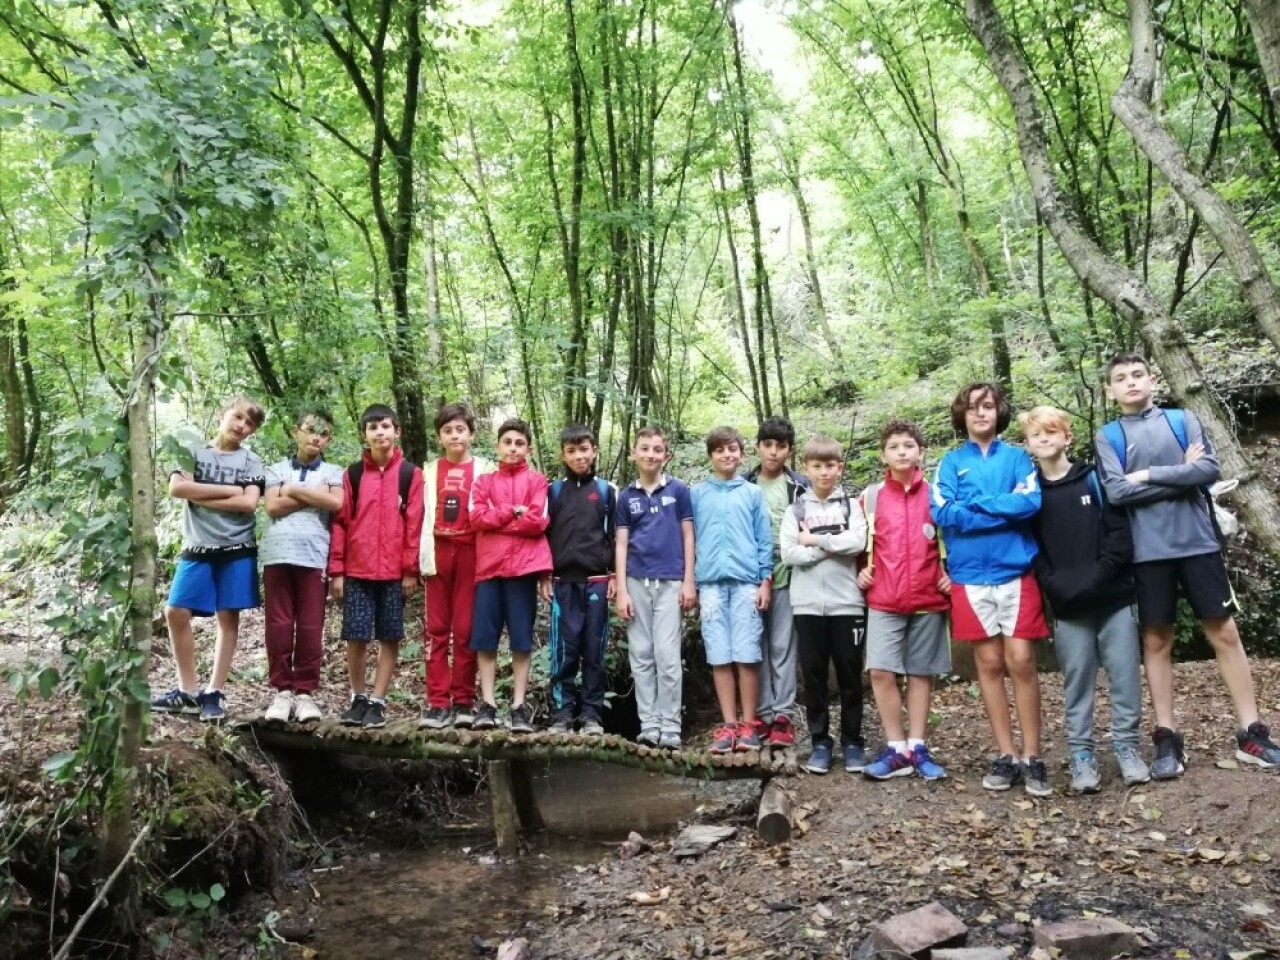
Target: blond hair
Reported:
point(1048, 419)
point(821, 449)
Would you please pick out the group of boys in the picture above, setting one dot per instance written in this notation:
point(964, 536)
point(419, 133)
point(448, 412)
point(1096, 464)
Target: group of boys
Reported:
point(785, 568)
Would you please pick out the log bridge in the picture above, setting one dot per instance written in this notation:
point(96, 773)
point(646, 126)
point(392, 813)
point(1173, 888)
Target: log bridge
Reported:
point(508, 758)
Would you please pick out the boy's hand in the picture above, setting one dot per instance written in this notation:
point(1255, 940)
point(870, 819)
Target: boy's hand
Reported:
point(805, 538)
point(944, 584)
point(611, 590)
point(764, 593)
point(408, 585)
point(626, 609)
point(518, 509)
point(1194, 452)
point(335, 588)
point(544, 588)
point(866, 578)
point(1140, 476)
point(688, 596)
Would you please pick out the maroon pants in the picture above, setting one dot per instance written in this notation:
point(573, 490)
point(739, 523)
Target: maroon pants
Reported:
point(450, 597)
point(295, 625)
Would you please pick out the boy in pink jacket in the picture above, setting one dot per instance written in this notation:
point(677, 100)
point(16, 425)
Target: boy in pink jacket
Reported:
point(510, 517)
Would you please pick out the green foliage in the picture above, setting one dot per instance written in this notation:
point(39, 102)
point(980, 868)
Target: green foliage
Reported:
point(194, 910)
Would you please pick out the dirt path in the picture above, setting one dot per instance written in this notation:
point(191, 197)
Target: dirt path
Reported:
point(1194, 864)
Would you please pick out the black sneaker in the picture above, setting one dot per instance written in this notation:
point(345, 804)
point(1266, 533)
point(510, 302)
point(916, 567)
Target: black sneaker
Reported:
point(353, 716)
point(1005, 772)
point(435, 718)
point(486, 717)
point(176, 701)
point(375, 715)
point(463, 716)
point(213, 707)
point(1256, 746)
point(521, 719)
point(1171, 757)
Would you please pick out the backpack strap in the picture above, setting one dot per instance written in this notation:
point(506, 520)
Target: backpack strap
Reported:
point(1176, 417)
point(1096, 487)
point(354, 473)
point(602, 488)
point(1114, 433)
point(869, 496)
point(406, 481)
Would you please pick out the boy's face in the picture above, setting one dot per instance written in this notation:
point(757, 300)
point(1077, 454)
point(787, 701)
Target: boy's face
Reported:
point(901, 452)
point(455, 438)
point(381, 435)
point(312, 436)
point(1046, 444)
point(579, 457)
point(823, 474)
point(1131, 385)
point(773, 455)
point(236, 426)
point(649, 454)
point(981, 416)
point(726, 458)
point(513, 447)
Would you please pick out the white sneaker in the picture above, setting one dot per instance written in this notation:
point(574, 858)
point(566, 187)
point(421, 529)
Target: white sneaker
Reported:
point(281, 707)
point(306, 710)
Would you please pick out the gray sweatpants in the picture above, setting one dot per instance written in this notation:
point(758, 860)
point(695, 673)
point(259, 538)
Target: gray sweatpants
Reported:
point(1112, 641)
point(653, 644)
point(778, 663)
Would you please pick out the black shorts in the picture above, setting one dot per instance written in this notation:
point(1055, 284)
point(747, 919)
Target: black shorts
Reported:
point(1203, 581)
point(372, 610)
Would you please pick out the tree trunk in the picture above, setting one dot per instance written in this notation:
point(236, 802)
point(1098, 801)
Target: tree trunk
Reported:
point(1119, 287)
point(15, 415)
point(739, 305)
point(1131, 104)
point(1264, 21)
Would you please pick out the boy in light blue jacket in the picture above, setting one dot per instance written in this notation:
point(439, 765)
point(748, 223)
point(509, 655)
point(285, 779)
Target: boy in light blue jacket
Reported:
point(984, 496)
point(733, 569)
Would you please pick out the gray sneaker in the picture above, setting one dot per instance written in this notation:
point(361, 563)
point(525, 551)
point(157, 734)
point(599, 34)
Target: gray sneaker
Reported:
point(1171, 755)
point(669, 741)
point(1133, 769)
point(1037, 782)
point(1085, 777)
point(1005, 772)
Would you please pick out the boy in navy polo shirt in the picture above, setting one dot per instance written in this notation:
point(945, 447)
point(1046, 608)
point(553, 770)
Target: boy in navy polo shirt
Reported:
point(655, 583)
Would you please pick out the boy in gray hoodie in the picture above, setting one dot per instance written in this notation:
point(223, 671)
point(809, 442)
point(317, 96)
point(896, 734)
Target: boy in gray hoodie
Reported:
point(822, 534)
point(1156, 464)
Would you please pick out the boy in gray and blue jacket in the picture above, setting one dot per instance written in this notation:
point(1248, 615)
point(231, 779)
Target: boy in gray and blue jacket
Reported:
point(734, 573)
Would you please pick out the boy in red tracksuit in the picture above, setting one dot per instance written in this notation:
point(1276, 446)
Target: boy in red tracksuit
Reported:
point(510, 517)
point(373, 558)
point(906, 590)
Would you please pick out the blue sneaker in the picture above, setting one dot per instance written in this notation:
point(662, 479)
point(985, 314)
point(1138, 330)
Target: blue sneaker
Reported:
point(925, 765)
point(176, 701)
point(212, 706)
point(819, 761)
point(891, 763)
point(855, 758)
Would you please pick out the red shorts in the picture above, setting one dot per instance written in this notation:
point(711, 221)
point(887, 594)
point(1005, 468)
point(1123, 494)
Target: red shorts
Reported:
point(1013, 609)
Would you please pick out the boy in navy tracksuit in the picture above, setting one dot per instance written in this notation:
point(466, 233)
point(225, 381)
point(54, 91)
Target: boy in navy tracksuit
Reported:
point(581, 585)
point(1156, 463)
point(983, 497)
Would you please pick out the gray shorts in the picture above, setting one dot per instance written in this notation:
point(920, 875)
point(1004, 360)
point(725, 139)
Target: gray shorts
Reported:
point(914, 644)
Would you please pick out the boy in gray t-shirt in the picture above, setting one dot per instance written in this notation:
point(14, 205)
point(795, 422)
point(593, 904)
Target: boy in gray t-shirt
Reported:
point(302, 493)
point(218, 570)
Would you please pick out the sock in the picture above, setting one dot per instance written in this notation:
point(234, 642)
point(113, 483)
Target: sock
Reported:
point(358, 693)
point(381, 701)
point(912, 744)
point(899, 745)
point(211, 690)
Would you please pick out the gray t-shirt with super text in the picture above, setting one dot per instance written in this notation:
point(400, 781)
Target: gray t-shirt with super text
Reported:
point(214, 534)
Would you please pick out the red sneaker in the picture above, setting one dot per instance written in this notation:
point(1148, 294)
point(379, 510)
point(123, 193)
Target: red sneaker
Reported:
point(781, 732)
point(722, 741)
point(762, 729)
point(747, 739)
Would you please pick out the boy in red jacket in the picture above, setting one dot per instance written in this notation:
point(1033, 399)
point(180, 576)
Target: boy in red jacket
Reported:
point(509, 515)
point(373, 558)
point(906, 589)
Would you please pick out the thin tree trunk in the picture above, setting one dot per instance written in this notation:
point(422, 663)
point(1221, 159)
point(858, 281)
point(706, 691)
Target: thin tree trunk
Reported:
point(15, 413)
point(431, 274)
point(739, 306)
point(1131, 104)
point(1264, 21)
point(1119, 287)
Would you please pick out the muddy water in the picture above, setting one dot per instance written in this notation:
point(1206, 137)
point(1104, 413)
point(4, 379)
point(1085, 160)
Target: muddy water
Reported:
point(424, 904)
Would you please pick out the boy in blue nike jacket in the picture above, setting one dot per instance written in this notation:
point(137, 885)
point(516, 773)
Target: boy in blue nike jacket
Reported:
point(733, 569)
point(983, 496)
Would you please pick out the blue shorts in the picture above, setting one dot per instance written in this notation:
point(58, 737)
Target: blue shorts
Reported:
point(731, 624)
point(207, 586)
point(372, 610)
point(504, 601)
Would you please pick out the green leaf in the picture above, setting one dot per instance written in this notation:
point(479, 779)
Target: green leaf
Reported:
point(48, 681)
point(200, 901)
point(175, 897)
point(217, 892)
point(58, 762)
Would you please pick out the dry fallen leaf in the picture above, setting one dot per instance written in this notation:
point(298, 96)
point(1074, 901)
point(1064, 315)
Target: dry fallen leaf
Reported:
point(646, 899)
point(1227, 765)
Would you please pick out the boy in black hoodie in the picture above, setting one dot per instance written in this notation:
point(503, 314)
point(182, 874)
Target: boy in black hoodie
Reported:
point(1085, 571)
point(581, 506)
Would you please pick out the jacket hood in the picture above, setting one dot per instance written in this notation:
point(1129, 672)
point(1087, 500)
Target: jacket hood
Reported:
point(1077, 470)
